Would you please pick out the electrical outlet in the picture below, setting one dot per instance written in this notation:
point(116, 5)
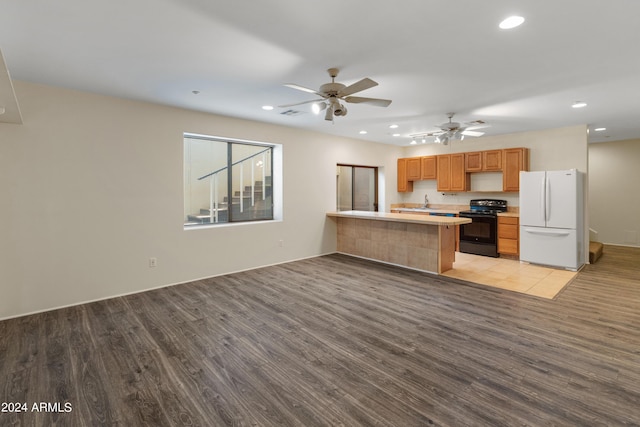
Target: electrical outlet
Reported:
point(281, 243)
point(153, 262)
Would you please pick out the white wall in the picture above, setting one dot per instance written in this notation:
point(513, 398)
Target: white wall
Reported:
point(92, 186)
point(614, 199)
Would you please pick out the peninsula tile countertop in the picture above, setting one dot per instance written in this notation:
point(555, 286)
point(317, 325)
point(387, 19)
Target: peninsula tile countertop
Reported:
point(401, 217)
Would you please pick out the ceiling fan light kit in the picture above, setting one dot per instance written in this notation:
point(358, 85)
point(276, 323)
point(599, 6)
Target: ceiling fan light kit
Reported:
point(451, 131)
point(317, 107)
point(328, 115)
point(332, 93)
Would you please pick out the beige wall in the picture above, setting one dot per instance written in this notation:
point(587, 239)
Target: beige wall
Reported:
point(554, 149)
point(614, 199)
point(92, 186)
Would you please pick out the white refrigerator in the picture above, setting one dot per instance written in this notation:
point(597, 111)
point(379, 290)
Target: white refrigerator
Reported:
point(551, 218)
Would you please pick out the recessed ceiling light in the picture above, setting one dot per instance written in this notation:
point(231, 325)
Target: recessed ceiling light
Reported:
point(600, 129)
point(413, 142)
point(363, 132)
point(393, 127)
point(579, 104)
point(396, 134)
point(511, 22)
point(267, 107)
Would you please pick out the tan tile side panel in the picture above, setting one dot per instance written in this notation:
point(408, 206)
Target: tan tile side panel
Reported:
point(411, 245)
point(448, 248)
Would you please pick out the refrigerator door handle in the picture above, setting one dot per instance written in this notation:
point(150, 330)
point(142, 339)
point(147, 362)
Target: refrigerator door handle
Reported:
point(547, 201)
point(546, 231)
point(542, 199)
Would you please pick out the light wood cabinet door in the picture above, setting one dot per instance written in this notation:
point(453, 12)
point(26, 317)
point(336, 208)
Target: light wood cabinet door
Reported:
point(451, 173)
point(428, 167)
point(404, 185)
point(492, 160)
point(413, 169)
point(514, 160)
point(444, 172)
point(459, 177)
point(508, 235)
point(473, 161)
point(483, 161)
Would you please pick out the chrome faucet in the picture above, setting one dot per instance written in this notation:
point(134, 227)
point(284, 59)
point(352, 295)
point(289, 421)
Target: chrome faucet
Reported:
point(426, 200)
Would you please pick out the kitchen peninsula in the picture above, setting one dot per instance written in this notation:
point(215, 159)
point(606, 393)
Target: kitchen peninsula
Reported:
point(421, 242)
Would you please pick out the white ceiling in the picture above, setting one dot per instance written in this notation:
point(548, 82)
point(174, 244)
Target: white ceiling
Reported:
point(429, 57)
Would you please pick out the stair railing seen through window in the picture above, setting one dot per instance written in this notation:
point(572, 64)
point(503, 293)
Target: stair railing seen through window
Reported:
point(227, 181)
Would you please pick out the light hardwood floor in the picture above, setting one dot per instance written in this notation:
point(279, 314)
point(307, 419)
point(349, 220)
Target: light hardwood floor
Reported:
point(336, 341)
point(510, 274)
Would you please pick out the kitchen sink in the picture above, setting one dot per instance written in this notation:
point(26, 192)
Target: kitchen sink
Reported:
point(417, 209)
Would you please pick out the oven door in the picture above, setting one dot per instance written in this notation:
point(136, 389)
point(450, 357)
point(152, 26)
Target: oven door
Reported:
point(481, 230)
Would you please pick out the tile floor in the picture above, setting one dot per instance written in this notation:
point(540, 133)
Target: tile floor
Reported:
point(511, 275)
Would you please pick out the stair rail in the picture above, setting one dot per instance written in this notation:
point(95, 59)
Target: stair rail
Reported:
point(213, 185)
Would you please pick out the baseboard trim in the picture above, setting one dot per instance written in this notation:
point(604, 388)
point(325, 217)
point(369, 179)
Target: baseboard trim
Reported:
point(156, 287)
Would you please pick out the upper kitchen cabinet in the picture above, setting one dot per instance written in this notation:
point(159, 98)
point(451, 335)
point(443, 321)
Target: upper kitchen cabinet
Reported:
point(413, 169)
point(444, 172)
point(492, 161)
point(404, 185)
point(460, 180)
point(473, 161)
point(451, 172)
point(428, 167)
point(483, 161)
point(514, 160)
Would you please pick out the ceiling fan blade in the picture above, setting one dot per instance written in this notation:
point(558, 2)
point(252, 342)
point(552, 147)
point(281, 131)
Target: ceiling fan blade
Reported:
point(373, 101)
point(358, 86)
point(299, 103)
point(429, 133)
point(472, 133)
point(478, 127)
point(302, 88)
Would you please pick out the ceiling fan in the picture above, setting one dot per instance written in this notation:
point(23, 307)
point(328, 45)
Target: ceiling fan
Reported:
point(453, 130)
point(332, 93)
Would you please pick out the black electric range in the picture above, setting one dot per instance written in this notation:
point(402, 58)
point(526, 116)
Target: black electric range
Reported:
point(480, 237)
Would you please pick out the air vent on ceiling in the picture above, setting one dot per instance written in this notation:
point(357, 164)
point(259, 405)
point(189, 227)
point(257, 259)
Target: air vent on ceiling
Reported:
point(292, 112)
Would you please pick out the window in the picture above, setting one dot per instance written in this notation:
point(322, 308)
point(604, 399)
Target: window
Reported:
point(357, 188)
point(227, 181)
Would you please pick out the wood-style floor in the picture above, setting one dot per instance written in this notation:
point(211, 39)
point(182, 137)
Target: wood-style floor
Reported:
point(336, 341)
